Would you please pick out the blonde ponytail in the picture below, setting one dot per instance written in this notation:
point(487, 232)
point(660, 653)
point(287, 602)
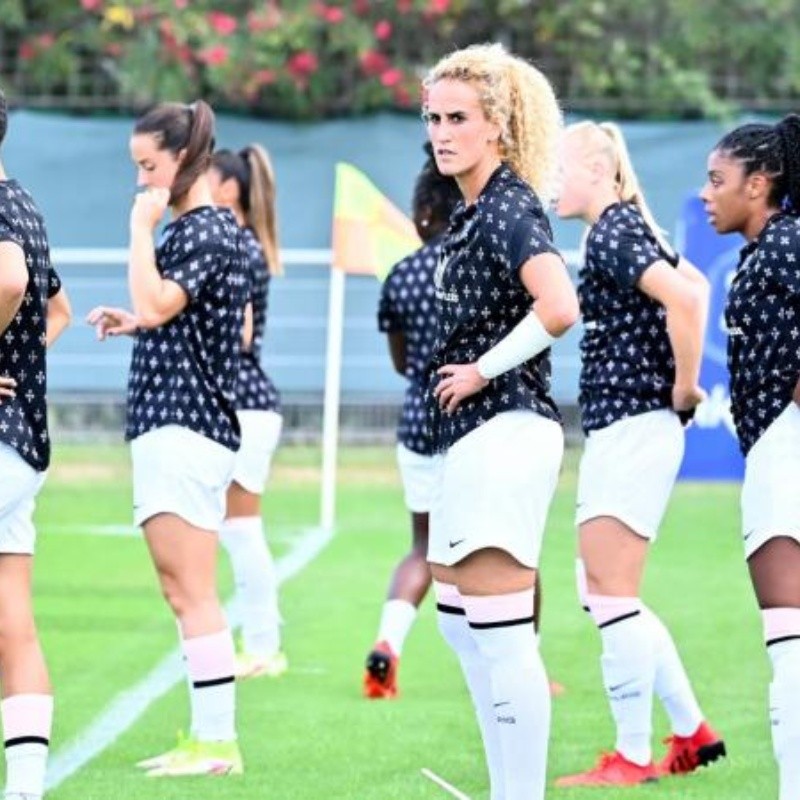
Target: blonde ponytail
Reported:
point(520, 100)
point(261, 213)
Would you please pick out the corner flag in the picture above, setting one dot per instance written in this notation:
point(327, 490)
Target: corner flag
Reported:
point(370, 234)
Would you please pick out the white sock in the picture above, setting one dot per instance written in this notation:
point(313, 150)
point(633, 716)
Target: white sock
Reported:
point(212, 692)
point(397, 618)
point(27, 723)
point(256, 584)
point(782, 631)
point(502, 627)
point(672, 685)
point(629, 665)
point(456, 632)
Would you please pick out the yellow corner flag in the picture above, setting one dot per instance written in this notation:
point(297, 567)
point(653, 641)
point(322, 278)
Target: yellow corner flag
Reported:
point(370, 234)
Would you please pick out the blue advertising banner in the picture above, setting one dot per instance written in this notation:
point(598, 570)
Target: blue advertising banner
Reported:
point(712, 450)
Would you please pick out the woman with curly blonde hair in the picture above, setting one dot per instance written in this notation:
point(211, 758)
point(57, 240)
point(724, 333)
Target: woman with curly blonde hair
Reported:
point(503, 296)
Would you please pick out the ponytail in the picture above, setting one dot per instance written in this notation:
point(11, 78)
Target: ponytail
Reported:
point(259, 205)
point(180, 128)
point(788, 187)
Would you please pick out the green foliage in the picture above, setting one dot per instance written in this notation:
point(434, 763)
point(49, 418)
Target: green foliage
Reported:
point(316, 58)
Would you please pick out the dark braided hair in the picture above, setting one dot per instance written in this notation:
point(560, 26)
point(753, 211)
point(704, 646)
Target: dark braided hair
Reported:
point(435, 197)
point(773, 150)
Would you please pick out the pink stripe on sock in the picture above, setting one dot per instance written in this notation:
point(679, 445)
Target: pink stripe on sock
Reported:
point(447, 594)
point(780, 622)
point(604, 608)
point(27, 715)
point(210, 657)
point(499, 607)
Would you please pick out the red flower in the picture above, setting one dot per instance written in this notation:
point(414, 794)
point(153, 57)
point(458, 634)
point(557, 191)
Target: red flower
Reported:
point(383, 30)
point(264, 77)
point(91, 5)
point(302, 64)
point(404, 6)
point(181, 4)
point(373, 63)
point(45, 41)
point(266, 20)
point(392, 77)
point(438, 6)
point(333, 14)
point(213, 56)
point(26, 51)
point(223, 24)
point(402, 96)
point(361, 7)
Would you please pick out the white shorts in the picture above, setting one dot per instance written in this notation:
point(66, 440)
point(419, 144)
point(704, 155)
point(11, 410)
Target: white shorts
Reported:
point(261, 431)
point(494, 487)
point(771, 489)
point(19, 485)
point(418, 473)
point(178, 471)
point(628, 471)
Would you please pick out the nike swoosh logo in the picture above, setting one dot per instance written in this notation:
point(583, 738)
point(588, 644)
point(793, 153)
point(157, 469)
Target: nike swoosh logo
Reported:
point(504, 703)
point(457, 542)
point(619, 686)
point(749, 534)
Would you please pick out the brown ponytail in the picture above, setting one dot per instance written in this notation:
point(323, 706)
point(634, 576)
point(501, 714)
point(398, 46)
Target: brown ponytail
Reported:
point(261, 207)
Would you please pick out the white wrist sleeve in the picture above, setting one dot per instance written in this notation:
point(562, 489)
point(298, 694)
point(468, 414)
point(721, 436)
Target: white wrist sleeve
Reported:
point(526, 340)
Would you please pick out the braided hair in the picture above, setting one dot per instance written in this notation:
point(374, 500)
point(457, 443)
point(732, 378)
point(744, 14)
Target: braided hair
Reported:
point(773, 150)
point(435, 197)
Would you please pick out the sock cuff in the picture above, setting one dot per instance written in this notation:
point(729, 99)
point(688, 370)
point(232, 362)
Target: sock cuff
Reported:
point(27, 718)
point(238, 526)
point(448, 598)
point(210, 659)
point(500, 610)
point(607, 610)
point(780, 624)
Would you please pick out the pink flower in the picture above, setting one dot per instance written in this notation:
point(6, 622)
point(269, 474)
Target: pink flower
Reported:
point(373, 63)
point(181, 4)
point(264, 77)
point(223, 24)
point(333, 14)
point(302, 64)
point(404, 6)
point(91, 5)
point(402, 96)
point(438, 6)
point(383, 30)
point(26, 51)
point(391, 77)
point(113, 49)
point(266, 20)
point(214, 56)
point(361, 7)
point(45, 41)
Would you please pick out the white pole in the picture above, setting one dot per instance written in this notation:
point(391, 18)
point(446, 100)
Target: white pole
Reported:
point(330, 417)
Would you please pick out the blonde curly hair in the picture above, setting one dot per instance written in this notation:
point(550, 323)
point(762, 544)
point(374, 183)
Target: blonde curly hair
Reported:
point(519, 99)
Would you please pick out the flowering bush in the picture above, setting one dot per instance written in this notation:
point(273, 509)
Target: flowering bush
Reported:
point(294, 59)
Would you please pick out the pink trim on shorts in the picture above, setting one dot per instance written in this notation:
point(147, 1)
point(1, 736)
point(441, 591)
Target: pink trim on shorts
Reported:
point(781, 623)
point(499, 607)
point(210, 657)
point(27, 715)
point(447, 594)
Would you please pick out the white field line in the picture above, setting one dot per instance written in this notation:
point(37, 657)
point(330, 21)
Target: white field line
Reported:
point(124, 530)
point(442, 783)
point(126, 708)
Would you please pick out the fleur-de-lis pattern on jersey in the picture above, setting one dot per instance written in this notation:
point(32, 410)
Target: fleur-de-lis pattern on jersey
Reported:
point(408, 305)
point(627, 365)
point(762, 314)
point(23, 344)
point(185, 371)
point(255, 390)
point(480, 298)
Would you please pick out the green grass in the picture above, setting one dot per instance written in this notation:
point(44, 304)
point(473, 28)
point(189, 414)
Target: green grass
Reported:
point(310, 734)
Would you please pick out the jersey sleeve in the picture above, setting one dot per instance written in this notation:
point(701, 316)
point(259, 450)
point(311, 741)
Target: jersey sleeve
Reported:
point(782, 256)
point(189, 262)
point(389, 319)
point(530, 237)
point(629, 249)
point(53, 282)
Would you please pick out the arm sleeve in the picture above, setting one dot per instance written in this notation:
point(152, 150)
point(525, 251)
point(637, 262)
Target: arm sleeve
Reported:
point(530, 237)
point(189, 264)
point(782, 258)
point(628, 250)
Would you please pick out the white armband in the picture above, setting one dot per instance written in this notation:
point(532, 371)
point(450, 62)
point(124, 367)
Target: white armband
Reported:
point(526, 340)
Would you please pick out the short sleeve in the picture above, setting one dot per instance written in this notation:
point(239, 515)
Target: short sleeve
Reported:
point(8, 234)
point(189, 263)
point(781, 256)
point(389, 320)
point(530, 237)
point(53, 282)
point(628, 249)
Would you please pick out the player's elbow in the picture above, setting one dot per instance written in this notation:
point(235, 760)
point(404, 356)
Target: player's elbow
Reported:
point(560, 314)
point(12, 288)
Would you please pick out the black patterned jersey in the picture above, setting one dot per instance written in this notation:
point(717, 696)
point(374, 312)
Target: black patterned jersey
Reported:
point(408, 305)
point(480, 299)
point(255, 391)
point(627, 366)
point(184, 372)
point(763, 318)
point(23, 344)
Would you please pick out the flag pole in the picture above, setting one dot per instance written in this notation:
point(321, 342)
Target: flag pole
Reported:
point(330, 417)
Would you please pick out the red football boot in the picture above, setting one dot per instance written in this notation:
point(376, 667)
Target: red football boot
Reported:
point(687, 753)
point(613, 769)
point(380, 673)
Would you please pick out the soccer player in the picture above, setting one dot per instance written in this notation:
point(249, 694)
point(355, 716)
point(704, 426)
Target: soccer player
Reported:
point(644, 312)
point(753, 188)
point(245, 183)
point(406, 315)
point(189, 292)
point(503, 295)
point(34, 310)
